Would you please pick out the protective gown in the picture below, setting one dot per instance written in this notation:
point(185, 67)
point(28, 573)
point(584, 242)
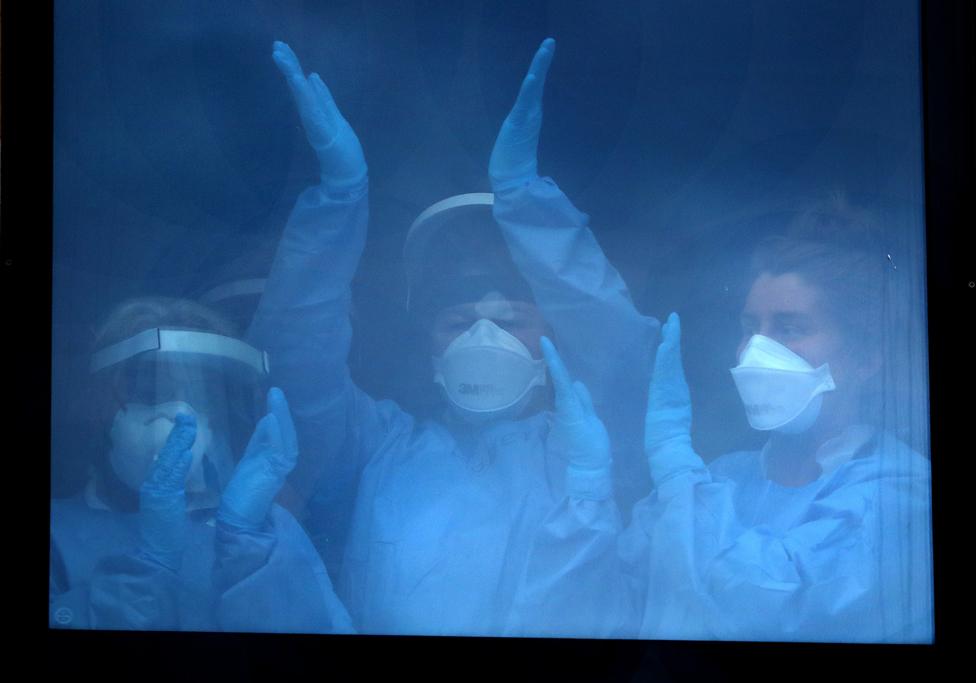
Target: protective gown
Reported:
point(437, 539)
point(723, 552)
point(271, 580)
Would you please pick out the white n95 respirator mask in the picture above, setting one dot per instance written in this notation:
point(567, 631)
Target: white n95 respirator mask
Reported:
point(139, 433)
point(486, 370)
point(779, 389)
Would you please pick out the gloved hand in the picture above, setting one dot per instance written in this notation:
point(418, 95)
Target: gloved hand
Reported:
point(162, 497)
point(667, 425)
point(577, 432)
point(269, 457)
point(341, 160)
point(513, 159)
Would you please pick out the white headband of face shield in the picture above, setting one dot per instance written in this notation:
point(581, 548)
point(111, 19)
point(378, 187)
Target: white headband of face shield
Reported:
point(163, 340)
point(428, 224)
point(779, 389)
point(486, 369)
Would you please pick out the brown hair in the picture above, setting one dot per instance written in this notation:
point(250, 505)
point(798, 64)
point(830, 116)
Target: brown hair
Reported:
point(837, 249)
point(135, 315)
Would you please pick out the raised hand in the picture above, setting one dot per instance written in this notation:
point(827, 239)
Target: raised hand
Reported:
point(513, 159)
point(667, 425)
point(341, 161)
point(270, 455)
point(162, 497)
point(577, 432)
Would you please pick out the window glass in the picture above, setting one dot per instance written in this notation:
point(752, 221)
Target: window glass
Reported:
point(524, 319)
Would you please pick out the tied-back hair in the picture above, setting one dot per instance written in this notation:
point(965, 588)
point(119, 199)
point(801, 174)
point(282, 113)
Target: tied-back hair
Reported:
point(843, 251)
point(838, 249)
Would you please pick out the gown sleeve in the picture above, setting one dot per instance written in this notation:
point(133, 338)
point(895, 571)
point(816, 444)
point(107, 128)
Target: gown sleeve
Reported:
point(571, 584)
point(132, 592)
point(574, 584)
point(852, 567)
point(302, 321)
point(606, 343)
point(273, 580)
point(121, 589)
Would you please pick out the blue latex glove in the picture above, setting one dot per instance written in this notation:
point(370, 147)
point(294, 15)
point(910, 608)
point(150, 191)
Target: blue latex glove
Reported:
point(162, 497)
point(577, 432)
point(513, 159)
point(667, 425)
point(341, 160)
point(269, 457)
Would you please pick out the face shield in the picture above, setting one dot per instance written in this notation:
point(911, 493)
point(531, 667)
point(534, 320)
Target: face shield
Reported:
point(476, 308)
point(159, 373)
point(420, 248)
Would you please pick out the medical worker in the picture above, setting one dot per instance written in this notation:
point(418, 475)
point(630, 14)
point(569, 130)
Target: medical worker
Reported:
point(431, 519)
point(822, 535)
point(171, 531)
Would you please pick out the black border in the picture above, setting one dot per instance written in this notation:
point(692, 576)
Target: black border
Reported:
point(949, 118)
point(25, 261)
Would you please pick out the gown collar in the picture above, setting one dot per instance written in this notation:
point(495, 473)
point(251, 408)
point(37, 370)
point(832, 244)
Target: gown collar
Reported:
point(836, 450)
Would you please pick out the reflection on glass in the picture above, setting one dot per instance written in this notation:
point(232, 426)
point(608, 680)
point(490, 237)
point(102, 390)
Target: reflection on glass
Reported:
point(171, 531)
point(822, 534)
point(443, 387)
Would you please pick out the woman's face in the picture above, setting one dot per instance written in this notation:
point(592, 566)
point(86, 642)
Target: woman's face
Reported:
point(788, 310)
point(151, 390)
